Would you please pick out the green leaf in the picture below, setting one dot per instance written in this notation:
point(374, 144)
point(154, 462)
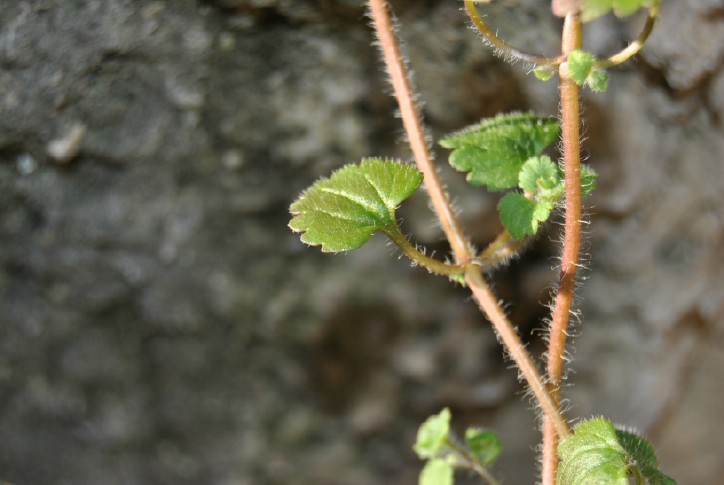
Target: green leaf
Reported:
point(580, 64)
point(593, 9)
point(642, 455)
point(588, 180)
point(540, 176)
point(522, 216)
point(597, 80)
point(432, 435)
point(597, 453)
point(341, 212)
point(483, 444)
point(494, 150)
point(544, 73)
point(437, 472)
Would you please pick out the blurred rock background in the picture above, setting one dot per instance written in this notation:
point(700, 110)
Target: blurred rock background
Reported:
point(159, 323)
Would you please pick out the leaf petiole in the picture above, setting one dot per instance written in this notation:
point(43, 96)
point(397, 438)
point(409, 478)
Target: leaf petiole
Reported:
point(418, 257)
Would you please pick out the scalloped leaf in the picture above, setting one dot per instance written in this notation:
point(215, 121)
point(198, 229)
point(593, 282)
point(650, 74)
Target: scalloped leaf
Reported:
point(598, 453)
point(580, 64)
point(341, 212)
point(432, 435)
point(493, 151)
point(522, 216)
point(437, 472)
point(540, 176)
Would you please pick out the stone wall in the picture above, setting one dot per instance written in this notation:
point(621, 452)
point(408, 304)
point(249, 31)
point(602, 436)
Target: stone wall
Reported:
point(160, 324)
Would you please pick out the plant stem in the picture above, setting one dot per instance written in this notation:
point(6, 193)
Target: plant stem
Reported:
point(502, 248)
point(487, 302)
point(432, 265)
point(472, 463)
point(415, 132)
point(503, 46)
point(570, 129)
point(634, 47)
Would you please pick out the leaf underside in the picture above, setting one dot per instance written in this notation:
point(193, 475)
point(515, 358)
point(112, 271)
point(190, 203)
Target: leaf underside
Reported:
point(597, 453)
point(341, 212)
point(493, 151)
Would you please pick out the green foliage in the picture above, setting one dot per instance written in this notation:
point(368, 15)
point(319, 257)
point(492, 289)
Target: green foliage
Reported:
point(598, 453)
point(592, 9)
point(543, 185)
point(521, 216)
point(643, 455)
point(597, 80)
point(340, 213)
point(588, 180)
point(432, 435)
point(540, 176)
point(483, 444)
point(437, 472)
point(582, 66)
point(544, 73)
point(436, 444)
point(494, 150)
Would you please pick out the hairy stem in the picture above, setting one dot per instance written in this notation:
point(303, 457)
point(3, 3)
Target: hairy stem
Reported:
point(503, 46)
point(502, 248)
point(489, 305)
point(463, 254)
point(432, 265)
point(570, 129)
point(415, 132)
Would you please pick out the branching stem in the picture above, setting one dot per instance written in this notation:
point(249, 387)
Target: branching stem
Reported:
point(461, 248)
point(489, 305)
point(570, 129)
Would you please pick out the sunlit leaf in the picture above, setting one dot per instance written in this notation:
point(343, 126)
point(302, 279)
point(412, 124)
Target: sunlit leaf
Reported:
point(437, 472)
point(432, 435)
point(341, 212)
point(493, 151)
point(522, 216)
point(597, 453)
point(580, 64)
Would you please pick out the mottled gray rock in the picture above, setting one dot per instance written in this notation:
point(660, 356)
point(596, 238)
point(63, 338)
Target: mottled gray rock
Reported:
point(160, 324)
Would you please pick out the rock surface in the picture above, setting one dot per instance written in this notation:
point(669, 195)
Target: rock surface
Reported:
point(160, 324)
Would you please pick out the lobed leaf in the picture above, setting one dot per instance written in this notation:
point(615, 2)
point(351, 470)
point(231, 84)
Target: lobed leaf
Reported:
point(493, 151)
point(580, 64)
point(432, 435)
point(483, 444)
point(598, 453)
point(597, 80)
point(341, 212)
point(521, 216)
point(437, 472)
point(540, 176)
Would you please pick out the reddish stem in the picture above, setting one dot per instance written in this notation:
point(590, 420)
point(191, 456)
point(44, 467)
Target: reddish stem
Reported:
point(570, 129)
